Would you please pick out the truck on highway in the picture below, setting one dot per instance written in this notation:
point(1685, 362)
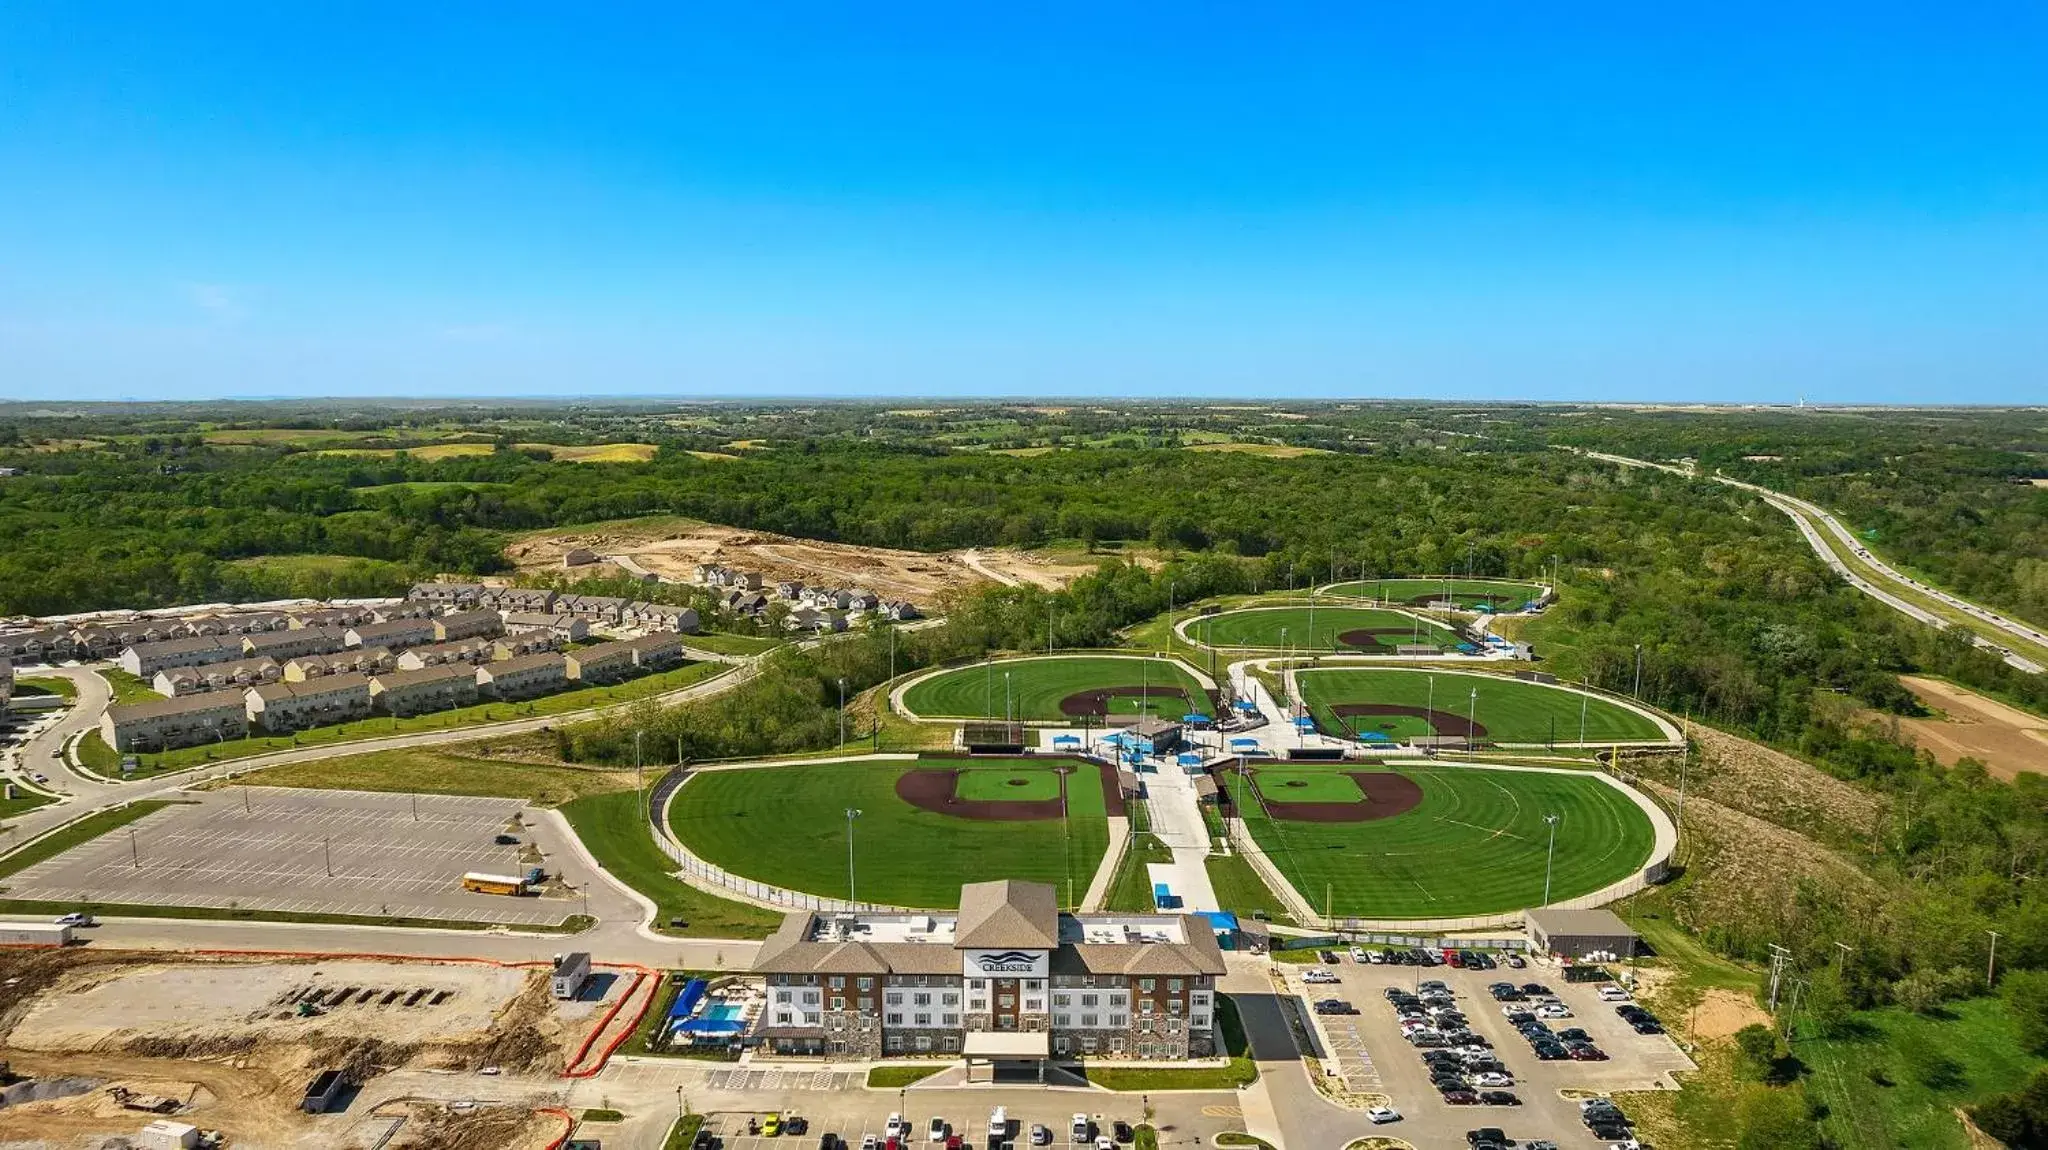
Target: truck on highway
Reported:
point(482, 883)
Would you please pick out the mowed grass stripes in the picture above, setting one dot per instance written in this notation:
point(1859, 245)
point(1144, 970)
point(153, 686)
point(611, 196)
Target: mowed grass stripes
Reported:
point(787, 826)
point(1036, 687)
point(1275, 628)
point(1502, 594)
point(1508, 710)
point(1475, 845)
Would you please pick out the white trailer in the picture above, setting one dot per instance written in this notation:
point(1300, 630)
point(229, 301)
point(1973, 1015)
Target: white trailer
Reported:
point(18, 933)
point(572, 970)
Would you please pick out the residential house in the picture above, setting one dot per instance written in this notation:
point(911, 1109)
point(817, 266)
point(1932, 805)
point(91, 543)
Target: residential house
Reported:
point(396, 634)
point(164, 724)
point(254, 622)
point(403, 693)
point(524, 643)
point(176, 681)
point(602, 663)
point(469, 651)
point(564, 628)
point(281, 708)
point(353, 661)
point(596, 608)
point(827, 598)
point(343, 617)
point(524, 677)
point(902, 609)
point(146, 659)
point(48, 645)
point(669, 617)
point(460, 595)
point(288, 645)
point(712, 574)
point(540, 599)
point(468, 625)
point(789, 589)
point(746, 603)
point(658, 651)
point(404, 609)
point(859, 600)
point(812, 619)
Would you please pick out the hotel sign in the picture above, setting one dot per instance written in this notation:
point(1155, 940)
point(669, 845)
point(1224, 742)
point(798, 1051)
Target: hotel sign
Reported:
point(1006, 964)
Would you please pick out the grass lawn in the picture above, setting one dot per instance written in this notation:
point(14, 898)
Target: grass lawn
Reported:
point(1929, 1066)
point(1475, 845)
point(787, 826)
point(51, 685)
point(1015, 784)
point(1509, 710)
point(1240, 889)
point(898, 1077)
point(613, 829)
point(83, 831)
point(1239, 1072)
point(1131, 888)
point(24, 800)
point(1273, 628)
point(1309, 785)
point(1505, 594)
point(1037, 685)
point(93, 750)
point(721, 643)
point(129, 688)
point(434, 772)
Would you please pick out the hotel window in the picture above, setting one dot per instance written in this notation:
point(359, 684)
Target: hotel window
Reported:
point(1061, 1045)
point(924, 1042)
point(810, 998)
point(895, 1042)
point(1006, 1001)
point(1063, 1000)
point(920, 1000)
point(895, 1020)
point(1034, 984)
point(782, 996)
point(1116, 1046)
point(838, 982)
point(782, 1018)
point(894, 998)
point(1145, 1007)
point(839, 1002)
point(1089, 999)
point(1119, 1020)
point(810, 1018)
point(1174, 985)
point(977, 1004)
point(1063, 1020)
point(949, 1019)
point(1200, 998)
point(1116, 997)
point(1172, 1007)
point(977, 984)
point(924, 1020)
point(1089, 1019)
point(867, 984)
point(1199, 1022)
point(950, 1042)
point(1146, 984)
point(949, 999)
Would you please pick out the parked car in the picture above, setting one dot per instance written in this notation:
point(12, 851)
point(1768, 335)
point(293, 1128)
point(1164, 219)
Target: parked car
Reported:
point(1645, 1026)
point(1499, 1098)
point(1485, 1134)
point(1494, 1079)
point(1082, 1128)
point(1535, 990)
point(1318, 974)
point(1461, 1098)
point(771, 1126)
point(1381, 1115)
point(1375, 957)
point(938, 1129)
point(1329, 956)
point(1122, 1132)
point(1041, 1135)
point(795, 1125)
point(1335, 1006)
point(1517, 962)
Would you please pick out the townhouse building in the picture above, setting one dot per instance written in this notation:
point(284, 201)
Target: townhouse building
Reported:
point(176, 681)
point(287, 645)
point(42, 645)
point(1008, 981)
point(468, 625)
point(658, 651)
point(166, 724)
point(469, 651)
point(281, 708)
point(144, 660)
point(601, 663)
point(536, 599)
point(564, 628)
point(524, 643)
point(454, 595)
point(396, 634)
point(349, 661)
point(525, 677)
point(403, 693)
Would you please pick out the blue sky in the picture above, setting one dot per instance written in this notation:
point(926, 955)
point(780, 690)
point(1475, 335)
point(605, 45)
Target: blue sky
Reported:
point(1727, 202)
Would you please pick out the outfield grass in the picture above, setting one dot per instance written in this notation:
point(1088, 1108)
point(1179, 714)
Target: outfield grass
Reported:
point(96, 755)
point(1275, 628)
point(614, 830)
point(1309, 785)
point(787, 826)
point(1017, 784)
point(1510, 710)
point(1930, 1066)
point(1466, 593)
point(1475, 845)
point(1036, 687)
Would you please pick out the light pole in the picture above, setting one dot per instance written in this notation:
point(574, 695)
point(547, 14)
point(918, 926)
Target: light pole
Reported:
point(1006, 699)
point(1638, 692)
point(1429, 711)
point(1991, 965)
point(1584, 698)
point(1471, 722)
point(1550, 857)
point(852, 813)
point(842, 711)
point(1169, 616)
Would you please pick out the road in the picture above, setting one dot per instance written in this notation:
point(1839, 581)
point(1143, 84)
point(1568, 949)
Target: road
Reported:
point(1812, 519)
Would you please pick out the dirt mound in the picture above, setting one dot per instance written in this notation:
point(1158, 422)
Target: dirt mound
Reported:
point(1442, 722)
point(1095, 703)
point(2005, 739)
point(934, 790)
point(189, 1046)
point(491, 1128)
point(1376, 638)
point(1386, 795)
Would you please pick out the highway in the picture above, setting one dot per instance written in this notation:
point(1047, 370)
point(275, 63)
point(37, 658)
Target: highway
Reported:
point(1812, 519)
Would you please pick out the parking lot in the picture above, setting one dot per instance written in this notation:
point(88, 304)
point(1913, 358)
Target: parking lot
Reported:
point(309, 852)
point(1369, 1051)
point(972, 1128)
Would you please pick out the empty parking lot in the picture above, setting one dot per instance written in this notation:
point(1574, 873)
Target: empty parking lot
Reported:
point(307, 852)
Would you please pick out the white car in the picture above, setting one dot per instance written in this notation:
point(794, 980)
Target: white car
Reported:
point(1553, 1010)
point(1613, 994)
point(1105, 1143)
point(1081, 1128)
point(896, 1127)
point(1381, 1115)
point(1358, 955)
point(75, 918)
point(1319, 975)
point(938, 1129)
point(1495, 1081)
point(1375, 957)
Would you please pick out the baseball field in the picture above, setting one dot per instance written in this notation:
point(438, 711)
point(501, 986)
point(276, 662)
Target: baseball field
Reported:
point(1470, 594)
point(924, 827)
point(1400, 704)
point(1060, 689)
point(1356, 630)
point(1440, 842)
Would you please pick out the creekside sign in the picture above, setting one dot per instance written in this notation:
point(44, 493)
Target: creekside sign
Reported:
point(1006, 963)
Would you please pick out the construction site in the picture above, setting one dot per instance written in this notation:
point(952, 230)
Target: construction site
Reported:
point(289, 1052)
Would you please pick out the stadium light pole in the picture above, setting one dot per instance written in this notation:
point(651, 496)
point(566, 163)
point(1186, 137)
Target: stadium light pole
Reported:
point(842, 711)
point(1169, 616)
point(1550, 857)
point(1430, 707)
point(1638, 692)
point(852, 813)
point(1472, 722)
point(1006, 699)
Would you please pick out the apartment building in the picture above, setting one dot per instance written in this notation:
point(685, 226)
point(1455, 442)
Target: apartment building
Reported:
point(176, 681)
point(537, 599)
point(281, 708)
point(287, 645)
point(47, 645)
point(601, 663)
point(1007, 981)
point(146, 659)
point(342, 617)
point(468, 625)
point(565, 628)
point(658, 651)
point(470, 651)
point(524, 677)
point(403, 693)
point(457, 595)
point(352, 661)
point(524, 643)
point(664, 617)
point(160, 725)
point(397, 634)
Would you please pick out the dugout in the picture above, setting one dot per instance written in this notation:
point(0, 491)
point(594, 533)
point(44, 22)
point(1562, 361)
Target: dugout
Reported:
point(992, 738)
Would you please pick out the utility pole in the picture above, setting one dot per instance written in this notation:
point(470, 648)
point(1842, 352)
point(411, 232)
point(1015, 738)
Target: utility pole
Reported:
point(1550, 858)
point(1429, 715)
point(1169, 616)
point(1780, 958)
point(852, 813)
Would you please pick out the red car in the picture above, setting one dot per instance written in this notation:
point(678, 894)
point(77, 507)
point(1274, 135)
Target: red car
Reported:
point(953, 1142)
point(1588, 1054)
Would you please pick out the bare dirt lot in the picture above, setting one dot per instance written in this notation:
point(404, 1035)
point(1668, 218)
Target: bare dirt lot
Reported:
point(224, 1045)
point(672, 548)
point(2006, 739)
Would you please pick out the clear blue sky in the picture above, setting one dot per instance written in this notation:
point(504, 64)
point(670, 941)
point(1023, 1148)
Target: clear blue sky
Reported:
point(1629, 201)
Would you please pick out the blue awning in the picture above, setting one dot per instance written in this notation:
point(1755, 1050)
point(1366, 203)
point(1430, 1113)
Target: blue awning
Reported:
point(1220, 920)
point(687, 999)
point(1246, 706)
point(1066, 740)
point(1194, 717)
point(1244, 743)
point(1305, 723)
point(1189, 760)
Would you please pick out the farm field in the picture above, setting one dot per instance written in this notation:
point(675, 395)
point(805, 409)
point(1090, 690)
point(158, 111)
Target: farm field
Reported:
point(787, 826)
point(1474, 842)
point(1500, 594)
point(1339, 629)
point(1506, 711)
point(594, 452)
point(1039, 689)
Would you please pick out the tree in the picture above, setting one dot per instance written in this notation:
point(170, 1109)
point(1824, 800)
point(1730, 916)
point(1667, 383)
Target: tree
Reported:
point(1774, 1118)
point(2026, 998)
point(1827, 1006)
point(1758, 1047)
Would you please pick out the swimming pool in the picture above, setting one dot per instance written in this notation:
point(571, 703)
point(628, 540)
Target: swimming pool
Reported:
point(724, 1012)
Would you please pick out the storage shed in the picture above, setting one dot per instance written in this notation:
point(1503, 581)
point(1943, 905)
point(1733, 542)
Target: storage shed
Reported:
point(1579, 933)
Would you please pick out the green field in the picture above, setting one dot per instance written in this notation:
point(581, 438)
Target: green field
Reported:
point(787, 826)
point(1928, 1066)
point(1274, 628)
point(1508, 710)
point(1506, 594)
point(1307, 785)
point(1017, 784)
point(1475, 845)
point(1036, 686)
